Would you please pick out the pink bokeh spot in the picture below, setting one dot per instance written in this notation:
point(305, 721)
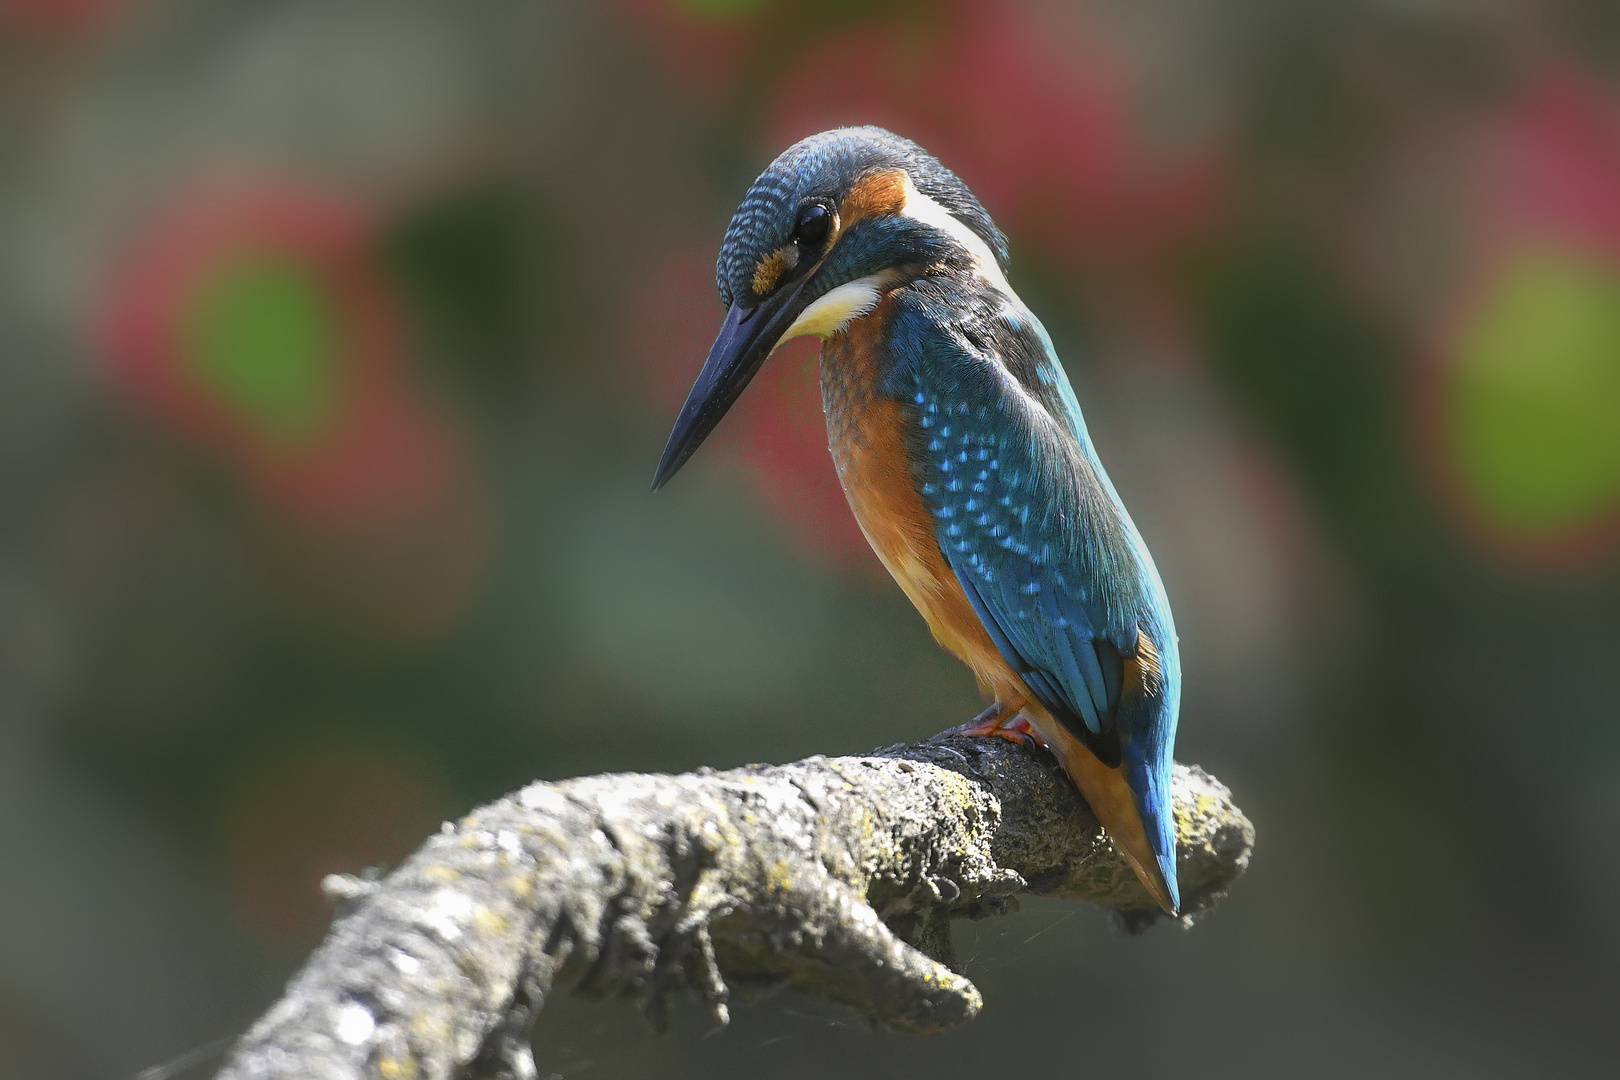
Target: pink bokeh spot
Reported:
point(1553, 166)
point(776, 428)
point(251, 321)
point(1545, 185)
point(785, 445)
point(1036, 121)
point(381, 454)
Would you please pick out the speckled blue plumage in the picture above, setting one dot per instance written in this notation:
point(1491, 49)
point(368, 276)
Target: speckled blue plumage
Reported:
point(1028, 520)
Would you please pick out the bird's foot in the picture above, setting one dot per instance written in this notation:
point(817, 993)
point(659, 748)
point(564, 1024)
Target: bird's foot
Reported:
point(1001, 722)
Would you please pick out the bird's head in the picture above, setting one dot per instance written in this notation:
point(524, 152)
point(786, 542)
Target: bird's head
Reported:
point(833, 222)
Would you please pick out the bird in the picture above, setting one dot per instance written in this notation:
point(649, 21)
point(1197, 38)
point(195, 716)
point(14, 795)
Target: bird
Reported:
point(965, 458)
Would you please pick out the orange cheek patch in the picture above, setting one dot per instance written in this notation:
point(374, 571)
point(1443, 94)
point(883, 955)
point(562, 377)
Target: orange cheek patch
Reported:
point(879, 193)
point(770, 271)
point(872, 195)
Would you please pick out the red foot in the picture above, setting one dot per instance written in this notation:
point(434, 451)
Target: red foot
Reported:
point(1001, 722)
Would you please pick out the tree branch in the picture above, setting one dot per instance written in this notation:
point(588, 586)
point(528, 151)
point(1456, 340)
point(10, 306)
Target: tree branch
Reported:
point(838, 876)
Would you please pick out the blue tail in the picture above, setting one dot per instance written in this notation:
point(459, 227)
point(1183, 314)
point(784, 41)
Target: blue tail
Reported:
point(1146, 760)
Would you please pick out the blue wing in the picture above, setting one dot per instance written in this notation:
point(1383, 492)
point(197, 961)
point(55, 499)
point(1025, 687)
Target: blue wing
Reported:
point(1036, 535)
point(1022, 510)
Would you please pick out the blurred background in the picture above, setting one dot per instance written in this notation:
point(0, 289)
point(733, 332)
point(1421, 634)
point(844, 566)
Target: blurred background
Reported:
point(338, 344)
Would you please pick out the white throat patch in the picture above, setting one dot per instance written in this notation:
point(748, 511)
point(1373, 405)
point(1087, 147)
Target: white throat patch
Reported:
point(836, 310)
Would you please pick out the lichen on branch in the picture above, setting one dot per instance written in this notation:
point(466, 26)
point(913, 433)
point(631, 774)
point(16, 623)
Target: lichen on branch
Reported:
point(839, 876)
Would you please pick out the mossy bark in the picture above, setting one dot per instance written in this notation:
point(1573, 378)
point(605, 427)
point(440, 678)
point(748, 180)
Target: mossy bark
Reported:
point(839, 876)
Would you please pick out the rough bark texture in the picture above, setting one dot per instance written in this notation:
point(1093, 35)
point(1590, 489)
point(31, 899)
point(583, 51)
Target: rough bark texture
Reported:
point(836, 875)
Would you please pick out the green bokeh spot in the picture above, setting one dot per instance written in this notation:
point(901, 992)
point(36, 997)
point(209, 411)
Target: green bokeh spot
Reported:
point(1534, 405)
point(261, 334)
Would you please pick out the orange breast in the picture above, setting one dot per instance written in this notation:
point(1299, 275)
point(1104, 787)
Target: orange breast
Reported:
point(866, 434)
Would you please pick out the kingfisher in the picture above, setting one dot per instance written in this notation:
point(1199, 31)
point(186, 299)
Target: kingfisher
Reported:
point(964, 456)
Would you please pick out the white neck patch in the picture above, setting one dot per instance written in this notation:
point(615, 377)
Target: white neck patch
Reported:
point(849, 301)
point(920, 207)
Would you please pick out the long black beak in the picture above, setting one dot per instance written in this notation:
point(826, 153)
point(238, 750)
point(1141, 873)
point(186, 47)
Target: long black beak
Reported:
point(746, 339)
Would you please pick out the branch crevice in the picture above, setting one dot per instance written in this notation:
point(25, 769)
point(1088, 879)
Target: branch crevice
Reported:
point(838, 876)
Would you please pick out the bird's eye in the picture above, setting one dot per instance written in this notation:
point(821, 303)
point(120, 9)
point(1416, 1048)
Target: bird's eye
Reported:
point(812, 226)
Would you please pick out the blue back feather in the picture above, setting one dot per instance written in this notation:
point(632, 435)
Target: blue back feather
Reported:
point(1035, 532)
